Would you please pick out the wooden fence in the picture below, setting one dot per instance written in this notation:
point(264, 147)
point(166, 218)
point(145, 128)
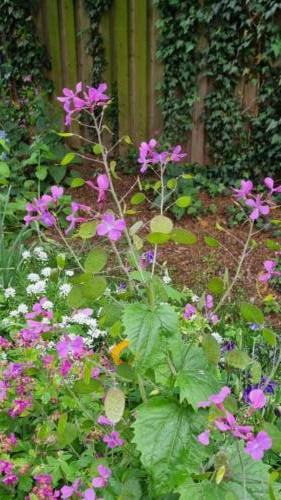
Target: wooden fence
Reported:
point(130, 39)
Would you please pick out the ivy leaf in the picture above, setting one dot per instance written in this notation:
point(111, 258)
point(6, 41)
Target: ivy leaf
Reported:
point(143, 327)
point(165, 435)
point(195, 378)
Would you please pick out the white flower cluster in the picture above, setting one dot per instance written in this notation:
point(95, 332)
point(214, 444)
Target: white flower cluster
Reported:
point(64, 289)
point(38, 252)
point(21, 309)
point(36, 288)
point(9, 292)
point(80, 318)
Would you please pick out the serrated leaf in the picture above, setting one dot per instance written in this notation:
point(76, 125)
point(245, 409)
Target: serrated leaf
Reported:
point(161, 224)
point(251, 313)
point(211, 349)
point(67, 159)
point(238, 359)
point(143, 326)
point(183, 201)
point(114, 404)
point(211, 242)
point(195, 379)
point(183, 237)
point(95, 261)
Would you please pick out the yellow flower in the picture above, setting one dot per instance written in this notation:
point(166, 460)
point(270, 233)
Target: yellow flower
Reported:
point(117, 350)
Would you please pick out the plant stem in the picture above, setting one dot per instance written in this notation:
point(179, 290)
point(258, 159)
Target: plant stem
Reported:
point(240, 264)
point(69, 248)
point(142, 389)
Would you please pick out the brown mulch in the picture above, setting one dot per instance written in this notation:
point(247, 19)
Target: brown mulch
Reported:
point(193, 266)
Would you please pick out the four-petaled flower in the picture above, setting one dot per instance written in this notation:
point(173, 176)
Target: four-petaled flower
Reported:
point(269, 266)
point(104, 475)
point(258, 445)
point(102, 186)
point(111, 227)
point(259, 207)
point(244, 191)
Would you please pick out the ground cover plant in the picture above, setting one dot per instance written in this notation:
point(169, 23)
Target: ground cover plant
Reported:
point(115, 382)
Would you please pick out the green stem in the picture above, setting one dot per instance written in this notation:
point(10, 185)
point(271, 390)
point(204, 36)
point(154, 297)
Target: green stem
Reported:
point(142, 389)
point(69, 248)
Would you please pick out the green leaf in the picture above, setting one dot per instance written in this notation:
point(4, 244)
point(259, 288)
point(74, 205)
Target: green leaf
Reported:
point(165, 435)
point(172, 183)
point(93, 386)
point(64, 134)
point(183, 201)
point(112, 166)
point(95, 288)
point(211, 242)
point(62, 424)
point(183, 237)
point(137, 198)
point(158, 238)
point(57, 173)
point(195, 378)
point(273, 245)
point(275, 435)
point(161, 224)
point(238, 359)
point(77, 182)
point(75, 297)
point(114, 404)
point(41, 173)
point(67, 159)
point(269, 336)
point(216, 286)
point(127, 139)
point(255, 372)
point(95, 261)
point(143, 327)
point(4, 170)
point(211, 349)
point(61, 259)
point(97, 149)
point(87, 230)
point(251, 313)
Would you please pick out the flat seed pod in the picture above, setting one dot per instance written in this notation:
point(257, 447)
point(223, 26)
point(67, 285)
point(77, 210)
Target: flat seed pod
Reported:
point(114, 404)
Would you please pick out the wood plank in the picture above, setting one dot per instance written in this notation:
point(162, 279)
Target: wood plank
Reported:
point(198, 131)
point(107, 35)
point(154, 74)
point(53, 42)
point(122, 67)
point(84, 60)
point(139, 68)
point(68, 33)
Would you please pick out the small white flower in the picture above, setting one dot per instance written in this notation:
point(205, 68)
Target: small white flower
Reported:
point(14, 313)
point(217, 337)
point(26, 255)
point(40, 254)
point(33, 277)
point(64, 289)
point(47, 305)
point(36, 288)
point(195, 298)
point(107, 292)
point(6, 322)
point(69, 272)
point(46, 271)
point(9, 292)
point(22, 309)
point(166, 279)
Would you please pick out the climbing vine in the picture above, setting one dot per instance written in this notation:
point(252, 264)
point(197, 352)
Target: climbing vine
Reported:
point(236, 45)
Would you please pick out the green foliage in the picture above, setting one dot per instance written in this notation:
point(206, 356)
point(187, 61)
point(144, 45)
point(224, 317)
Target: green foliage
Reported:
point(229, 43)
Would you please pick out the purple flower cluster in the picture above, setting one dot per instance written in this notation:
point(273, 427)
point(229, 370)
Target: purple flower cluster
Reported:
point(190, 310)
point(255, 445)
point(38, 209)
point(258, 205)
point(149, 155)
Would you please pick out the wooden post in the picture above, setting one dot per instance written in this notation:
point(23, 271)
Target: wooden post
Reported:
point(53, 42)
point(122, 67)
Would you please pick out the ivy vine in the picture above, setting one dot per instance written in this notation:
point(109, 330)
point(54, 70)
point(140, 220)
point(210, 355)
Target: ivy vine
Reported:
point(229, 42)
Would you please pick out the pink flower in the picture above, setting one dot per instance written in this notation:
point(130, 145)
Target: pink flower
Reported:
point(89, 494)
point(257, 446)
point(10, 479)
point(72, 103)
point(3, 390)
point(19, 406)
point(96, 96)
point(259, 207)
point(209, 301)
point(189, 311)
point(43, 479)
point(6, 467)
point(57, 192)
point(68, 491)
point(68, 346)
point(104, 475)
point(216, 399)
point(245, 189)
point(146, 154)
point(113, 440)
point(65, 367)
point(69, 100)
point(269, 266)
point(95, 372)
point(38, 211)
point(270, 185)
point(111, 227)
point(102, 186)
point(103, 420)
point(257, 399)
point(203, 438)
point(73, 218)
point(4, 343)
point(176, 154)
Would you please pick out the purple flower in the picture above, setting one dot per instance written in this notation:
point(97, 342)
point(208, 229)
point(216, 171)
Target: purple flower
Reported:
point(111, 227)
point(95, 373)
point(10, 479)
point(43, 479)
point(257, 399)
point(146, 152)
point(57, 192)
point(269, 266)
point(72, 103)
point(19, 406)
point(176, 154)
point(189, 311)
point(13, 370)
point(6, 467)
point(68, 346)
point(245, 189)
point(228, 346)
point(268, 386)
point(209, 301)
point(65, 367)
point(113, 440)
point(89, 494)
point(257, 446)
point(74, 218)
point(3, 390)
point(270, 185)
point(103, 420)
point(102, 186)
point(146, 258)
point(104, 475)
point(38, 211)
point(259, 207)
point(68, 491)
point(204, 438)
point(216, 399)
